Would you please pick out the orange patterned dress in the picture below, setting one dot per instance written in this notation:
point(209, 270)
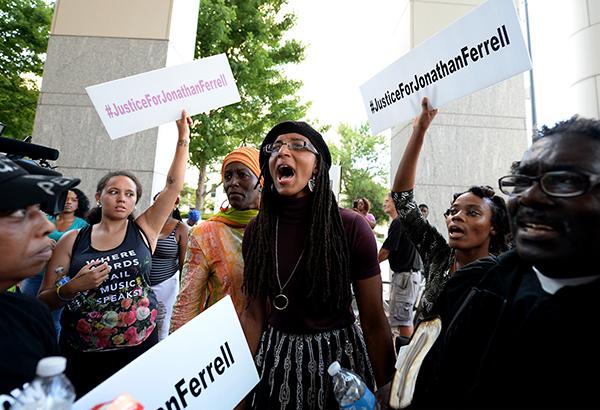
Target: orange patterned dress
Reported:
point(214, 267)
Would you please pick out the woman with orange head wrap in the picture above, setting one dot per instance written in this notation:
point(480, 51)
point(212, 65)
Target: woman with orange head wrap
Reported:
point(214, 266)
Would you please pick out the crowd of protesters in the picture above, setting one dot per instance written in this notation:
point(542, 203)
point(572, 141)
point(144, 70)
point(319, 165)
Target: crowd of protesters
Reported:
point(513, 283)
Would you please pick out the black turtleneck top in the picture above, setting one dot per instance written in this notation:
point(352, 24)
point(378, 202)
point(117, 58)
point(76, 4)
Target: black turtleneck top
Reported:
point(294, 217)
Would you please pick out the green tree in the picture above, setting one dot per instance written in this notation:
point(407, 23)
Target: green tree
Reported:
point(359, 154)
point(24, 27)
point(187, 196)
point(251, 33)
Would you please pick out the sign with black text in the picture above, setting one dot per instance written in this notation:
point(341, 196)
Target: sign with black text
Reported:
point(206, 364)
point(481, 49)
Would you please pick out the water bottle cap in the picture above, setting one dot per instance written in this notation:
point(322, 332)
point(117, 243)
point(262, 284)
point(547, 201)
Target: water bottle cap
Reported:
point(334, 368)
point(51, 366)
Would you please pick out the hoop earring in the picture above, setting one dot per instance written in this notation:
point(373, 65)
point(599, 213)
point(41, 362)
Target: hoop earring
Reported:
point(222, 208)
point(272, 187)
point(311, 184)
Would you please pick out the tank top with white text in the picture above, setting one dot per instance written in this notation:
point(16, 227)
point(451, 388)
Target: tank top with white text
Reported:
point(122, 311)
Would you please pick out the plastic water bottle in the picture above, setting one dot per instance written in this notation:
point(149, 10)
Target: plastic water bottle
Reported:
point(350, 390)
point(50, 390)
point(59, 393)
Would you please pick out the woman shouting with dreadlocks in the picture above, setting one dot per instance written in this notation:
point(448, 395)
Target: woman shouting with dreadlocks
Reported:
point(302, 255)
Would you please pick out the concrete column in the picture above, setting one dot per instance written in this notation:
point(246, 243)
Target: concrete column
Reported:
point(95, 41)
point(584, 25)
point(473, 140)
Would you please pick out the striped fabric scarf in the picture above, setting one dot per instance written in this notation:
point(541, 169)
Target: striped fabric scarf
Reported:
point(234, 218)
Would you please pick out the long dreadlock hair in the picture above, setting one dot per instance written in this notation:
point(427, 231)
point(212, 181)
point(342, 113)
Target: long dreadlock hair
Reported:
point(326, 255)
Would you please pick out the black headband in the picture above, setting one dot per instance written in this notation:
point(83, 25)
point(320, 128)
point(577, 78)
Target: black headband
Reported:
point(298, 127)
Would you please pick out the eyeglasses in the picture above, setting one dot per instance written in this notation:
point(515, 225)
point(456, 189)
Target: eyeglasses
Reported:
point(559, 184)
point(273, 149)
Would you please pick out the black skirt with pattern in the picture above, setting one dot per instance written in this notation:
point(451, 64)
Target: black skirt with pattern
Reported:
point(293, 367)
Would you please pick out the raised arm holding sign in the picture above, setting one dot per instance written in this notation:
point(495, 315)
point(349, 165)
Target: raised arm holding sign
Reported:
point(476, 220)
point(110, 309)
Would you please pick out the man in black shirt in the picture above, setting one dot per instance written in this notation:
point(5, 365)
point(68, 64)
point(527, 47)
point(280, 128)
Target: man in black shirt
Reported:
point(26, 330)
point(405, 265)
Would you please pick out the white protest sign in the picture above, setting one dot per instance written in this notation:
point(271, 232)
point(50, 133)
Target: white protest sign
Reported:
point(484, 47)
point(205, 364)
point(143, 101)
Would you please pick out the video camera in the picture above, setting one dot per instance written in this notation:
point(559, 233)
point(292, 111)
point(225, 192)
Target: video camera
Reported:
point(17, 150)
point(34, 159)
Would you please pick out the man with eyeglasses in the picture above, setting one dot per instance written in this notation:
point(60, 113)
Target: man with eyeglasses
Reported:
point(524, 334)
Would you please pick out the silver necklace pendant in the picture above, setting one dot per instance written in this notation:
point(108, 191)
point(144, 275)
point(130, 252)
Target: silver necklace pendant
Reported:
point(280, 302)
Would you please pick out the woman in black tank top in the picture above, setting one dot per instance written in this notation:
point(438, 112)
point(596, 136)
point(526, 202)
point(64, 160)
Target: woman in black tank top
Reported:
point(110, 314)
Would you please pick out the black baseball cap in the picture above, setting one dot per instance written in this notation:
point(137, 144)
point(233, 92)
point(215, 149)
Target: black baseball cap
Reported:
point(21, 188)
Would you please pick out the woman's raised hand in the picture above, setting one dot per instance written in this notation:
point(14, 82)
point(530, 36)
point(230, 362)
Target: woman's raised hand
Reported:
point(152, 220)
point(183, 127)
point(422, 122)
point(407, 169)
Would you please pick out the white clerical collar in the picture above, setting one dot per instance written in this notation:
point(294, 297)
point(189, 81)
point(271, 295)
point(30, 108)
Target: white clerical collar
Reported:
point(553, 285)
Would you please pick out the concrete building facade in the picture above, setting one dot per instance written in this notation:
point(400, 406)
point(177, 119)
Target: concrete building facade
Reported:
point(95, 41)
point(473, 140)
point(584, 25)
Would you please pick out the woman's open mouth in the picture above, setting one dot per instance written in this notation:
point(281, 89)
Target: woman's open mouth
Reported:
point(455, 232)
point(285, 174)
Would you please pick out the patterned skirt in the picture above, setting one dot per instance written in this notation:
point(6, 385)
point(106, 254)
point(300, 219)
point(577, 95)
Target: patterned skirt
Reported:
point(293, 367)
